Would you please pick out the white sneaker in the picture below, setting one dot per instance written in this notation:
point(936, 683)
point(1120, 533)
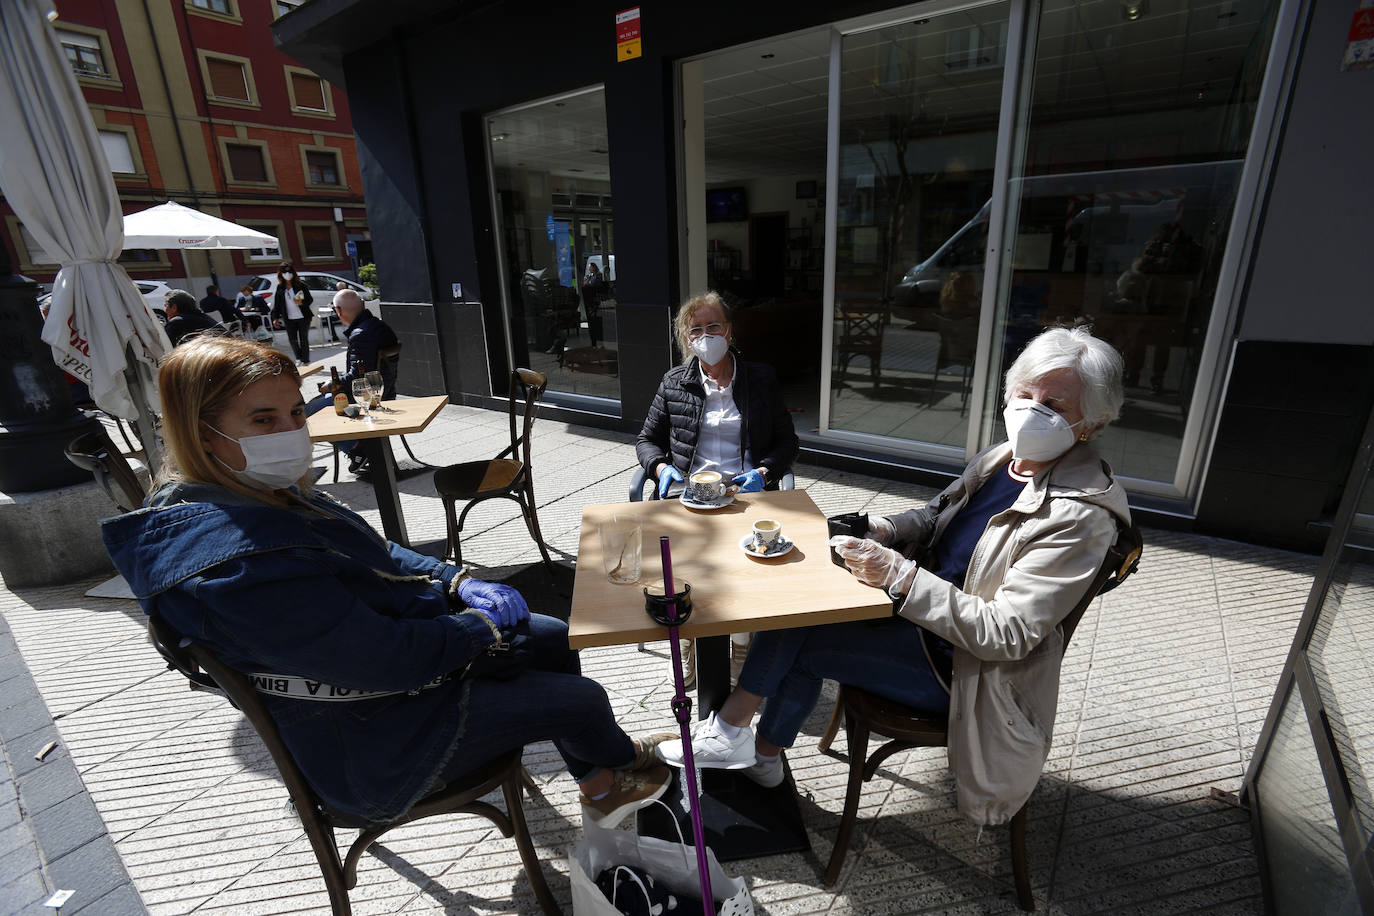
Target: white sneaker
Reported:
point(767, 773)
point(710, 747)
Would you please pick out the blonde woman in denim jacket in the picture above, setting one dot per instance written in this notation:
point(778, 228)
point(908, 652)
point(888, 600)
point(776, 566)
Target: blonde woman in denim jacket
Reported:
point(236, 551)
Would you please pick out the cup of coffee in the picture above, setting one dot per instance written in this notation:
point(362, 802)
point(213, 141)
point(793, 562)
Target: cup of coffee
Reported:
point(766, 534)
point(706, 487)
point(854, 524)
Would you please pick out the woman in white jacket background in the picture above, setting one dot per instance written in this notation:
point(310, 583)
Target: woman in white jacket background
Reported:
point(1001, 557)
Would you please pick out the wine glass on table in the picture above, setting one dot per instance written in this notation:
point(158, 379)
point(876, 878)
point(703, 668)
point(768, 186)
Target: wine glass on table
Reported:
point(362, 395)
point(374, 379)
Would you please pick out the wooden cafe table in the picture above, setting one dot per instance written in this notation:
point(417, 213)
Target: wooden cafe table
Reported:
point(400, 417)
point(732, 592)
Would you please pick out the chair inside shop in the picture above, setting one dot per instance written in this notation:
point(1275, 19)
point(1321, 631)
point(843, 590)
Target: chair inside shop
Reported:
point(464, 796)
point(958, 344)
point(509, 475)
point(866, 713)
point(97, 453)
point(863, 324)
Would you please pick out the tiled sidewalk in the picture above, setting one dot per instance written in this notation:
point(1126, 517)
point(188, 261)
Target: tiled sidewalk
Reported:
point(1165, 688)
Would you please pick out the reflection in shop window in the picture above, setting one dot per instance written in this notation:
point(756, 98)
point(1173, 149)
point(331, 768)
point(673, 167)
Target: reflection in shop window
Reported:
point(551, 172)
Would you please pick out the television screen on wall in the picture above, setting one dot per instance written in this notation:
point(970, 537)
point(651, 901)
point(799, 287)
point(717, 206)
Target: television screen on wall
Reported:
point(726, 205)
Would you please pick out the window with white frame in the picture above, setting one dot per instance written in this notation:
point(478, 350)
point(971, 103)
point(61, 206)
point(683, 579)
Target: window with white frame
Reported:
point(118, 151)
point(214, 6)
point(83, 53)
point(265, 254)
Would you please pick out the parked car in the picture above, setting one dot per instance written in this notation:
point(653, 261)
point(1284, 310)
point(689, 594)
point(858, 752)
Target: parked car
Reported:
point(152, 291)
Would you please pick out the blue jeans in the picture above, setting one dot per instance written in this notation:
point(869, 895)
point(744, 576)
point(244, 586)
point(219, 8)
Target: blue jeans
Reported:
point(884, 656)
point(320, 402)
point(550, 700)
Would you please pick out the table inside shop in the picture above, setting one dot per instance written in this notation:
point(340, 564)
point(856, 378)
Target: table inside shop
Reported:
point(401, 417)
point(732, 592)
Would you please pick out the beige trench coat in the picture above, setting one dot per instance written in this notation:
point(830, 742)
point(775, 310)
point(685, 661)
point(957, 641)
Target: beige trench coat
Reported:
point(1032, 565)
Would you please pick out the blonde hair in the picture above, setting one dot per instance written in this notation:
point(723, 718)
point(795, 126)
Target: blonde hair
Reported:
point(197, 382)
point(683, 322)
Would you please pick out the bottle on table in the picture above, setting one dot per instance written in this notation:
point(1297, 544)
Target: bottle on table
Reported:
point(340, 396)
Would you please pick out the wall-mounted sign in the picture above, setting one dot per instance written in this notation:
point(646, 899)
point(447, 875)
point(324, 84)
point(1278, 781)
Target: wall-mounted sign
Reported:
point(1359, 47)
point(627, 34)
point(549, 226)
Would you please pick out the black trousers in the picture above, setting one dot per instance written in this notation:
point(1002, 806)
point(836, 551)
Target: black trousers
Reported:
point(298, 335)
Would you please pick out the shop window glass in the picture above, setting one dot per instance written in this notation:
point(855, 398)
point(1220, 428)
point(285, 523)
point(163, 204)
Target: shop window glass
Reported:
point(919, 108)
point(552, 177)
point(1120, 209)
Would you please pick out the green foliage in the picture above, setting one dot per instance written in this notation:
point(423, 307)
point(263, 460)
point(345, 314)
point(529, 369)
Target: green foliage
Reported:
point(367, 273)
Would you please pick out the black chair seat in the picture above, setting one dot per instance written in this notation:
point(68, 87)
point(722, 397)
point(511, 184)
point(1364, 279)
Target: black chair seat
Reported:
point(473, 479)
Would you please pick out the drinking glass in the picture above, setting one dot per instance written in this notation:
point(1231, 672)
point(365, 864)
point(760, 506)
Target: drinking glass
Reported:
point(362, 394)
point(622, 548)
point(374, 378)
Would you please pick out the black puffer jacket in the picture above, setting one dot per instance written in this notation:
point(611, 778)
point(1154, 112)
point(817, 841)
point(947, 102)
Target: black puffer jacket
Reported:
point(674, 419)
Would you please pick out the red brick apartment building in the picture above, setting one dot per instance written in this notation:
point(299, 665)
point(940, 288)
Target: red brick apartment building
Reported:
point(194, 103)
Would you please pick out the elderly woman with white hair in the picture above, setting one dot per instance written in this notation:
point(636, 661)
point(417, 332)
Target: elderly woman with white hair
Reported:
point(993, 565)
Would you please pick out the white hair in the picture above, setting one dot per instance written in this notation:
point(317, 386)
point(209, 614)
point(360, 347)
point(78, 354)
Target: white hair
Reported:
point(1096, 362)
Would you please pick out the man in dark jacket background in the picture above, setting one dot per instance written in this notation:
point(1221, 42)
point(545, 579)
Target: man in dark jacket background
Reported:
point(184, 317)
point(367, 335)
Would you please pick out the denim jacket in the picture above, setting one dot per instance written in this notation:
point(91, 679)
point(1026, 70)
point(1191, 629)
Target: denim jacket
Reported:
point(313, 591)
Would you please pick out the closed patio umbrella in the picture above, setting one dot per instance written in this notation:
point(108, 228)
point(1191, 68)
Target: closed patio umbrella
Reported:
point(55, 176)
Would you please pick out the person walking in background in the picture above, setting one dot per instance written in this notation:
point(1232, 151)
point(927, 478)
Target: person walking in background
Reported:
point(593, 285)
point(291, 310)
point(184, 317)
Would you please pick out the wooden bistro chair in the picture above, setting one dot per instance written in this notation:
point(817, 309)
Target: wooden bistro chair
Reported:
point(203, 667)
point(507, 476)
point(866, 713)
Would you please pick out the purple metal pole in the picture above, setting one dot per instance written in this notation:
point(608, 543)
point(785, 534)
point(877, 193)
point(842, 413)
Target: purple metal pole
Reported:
point(682, 710)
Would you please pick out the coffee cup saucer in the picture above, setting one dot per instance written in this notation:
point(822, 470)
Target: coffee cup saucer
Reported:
point(783, 547)
point(721, 503)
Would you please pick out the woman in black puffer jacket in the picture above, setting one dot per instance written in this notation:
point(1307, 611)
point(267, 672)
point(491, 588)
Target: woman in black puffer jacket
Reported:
point(716, 411)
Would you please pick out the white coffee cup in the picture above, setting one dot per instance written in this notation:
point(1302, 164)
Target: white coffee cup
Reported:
point(766, 534)
point(706, 487)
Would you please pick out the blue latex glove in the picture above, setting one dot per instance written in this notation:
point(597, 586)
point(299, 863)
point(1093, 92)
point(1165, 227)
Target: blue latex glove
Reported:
point(669, 477)
point(501, 603)
point(749, 482)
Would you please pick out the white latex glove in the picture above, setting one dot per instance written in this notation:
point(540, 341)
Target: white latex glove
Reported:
point(881, 530)
point(875, 565)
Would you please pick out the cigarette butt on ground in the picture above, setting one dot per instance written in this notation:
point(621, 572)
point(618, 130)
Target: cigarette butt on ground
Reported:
point(45, 750)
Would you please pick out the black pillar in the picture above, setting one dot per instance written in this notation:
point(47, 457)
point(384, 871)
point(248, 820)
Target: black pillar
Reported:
point(37, 418)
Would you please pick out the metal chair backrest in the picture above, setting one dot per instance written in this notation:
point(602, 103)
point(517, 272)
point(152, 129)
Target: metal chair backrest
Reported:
point(528, 386)
point(96, 453)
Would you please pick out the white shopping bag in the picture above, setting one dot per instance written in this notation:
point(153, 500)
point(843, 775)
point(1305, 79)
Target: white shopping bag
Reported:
point(672, 864)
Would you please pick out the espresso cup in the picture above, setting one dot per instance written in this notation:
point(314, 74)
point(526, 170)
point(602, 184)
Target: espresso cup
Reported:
point(766, 534)
point(706, 487)
point(854, 524)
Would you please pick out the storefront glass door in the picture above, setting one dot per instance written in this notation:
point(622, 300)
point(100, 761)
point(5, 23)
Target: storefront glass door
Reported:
point(552, 189)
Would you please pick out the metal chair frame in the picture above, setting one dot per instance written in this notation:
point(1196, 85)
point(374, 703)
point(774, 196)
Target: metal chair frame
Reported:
point(204, 668)
point(865, 712)
point(97, 453)
point(501, 477)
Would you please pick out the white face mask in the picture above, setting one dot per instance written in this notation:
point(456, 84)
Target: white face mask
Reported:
point(1036, 432)
point(288, 276)
point(710, 348)
point(274, 460)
